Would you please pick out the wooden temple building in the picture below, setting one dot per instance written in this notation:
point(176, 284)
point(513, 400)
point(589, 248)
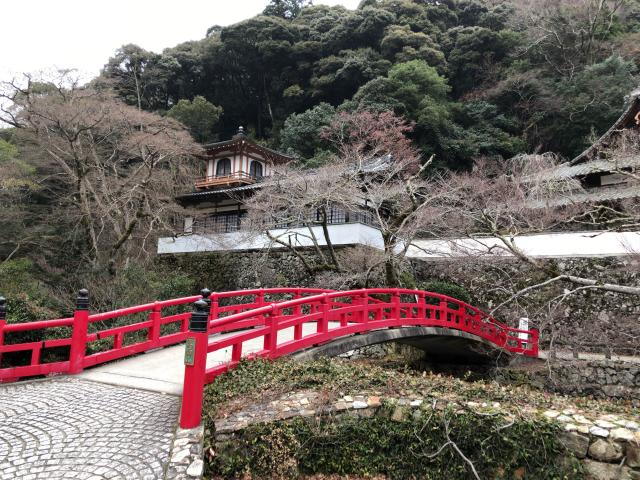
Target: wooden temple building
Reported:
point(234, 169)
point(606, 169)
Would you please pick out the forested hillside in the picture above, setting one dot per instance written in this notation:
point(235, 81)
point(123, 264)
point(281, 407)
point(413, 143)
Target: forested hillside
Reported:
point(479, 78)
point(87, 183)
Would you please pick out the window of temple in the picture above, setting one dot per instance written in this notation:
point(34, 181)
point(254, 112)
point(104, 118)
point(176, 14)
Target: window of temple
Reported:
point(223, 167)
point(255, 170)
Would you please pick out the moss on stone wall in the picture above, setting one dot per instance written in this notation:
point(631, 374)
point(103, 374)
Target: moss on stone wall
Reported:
point(231, 271)
point(417, 444)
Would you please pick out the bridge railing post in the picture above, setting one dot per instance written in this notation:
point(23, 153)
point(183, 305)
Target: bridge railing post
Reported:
point(363, 301)
point(395, 300)
point(271, 338)
point(422, 305)
point(206, 297)
point(79, 335)
point(154, 330)
point(323, 323)
point(195, 360)
point(297, 311)
point(443, 311)
point(3, 322)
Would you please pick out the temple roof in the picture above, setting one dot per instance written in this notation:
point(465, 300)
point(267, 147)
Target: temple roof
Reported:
point(594, 195)
point(569, 170)
point(629, 118)
point(240, 142)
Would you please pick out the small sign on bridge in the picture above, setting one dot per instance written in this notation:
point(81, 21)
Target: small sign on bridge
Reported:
point(524, 325)
point(190, 351)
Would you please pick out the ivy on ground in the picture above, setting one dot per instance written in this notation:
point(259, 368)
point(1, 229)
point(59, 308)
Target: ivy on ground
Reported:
point(416, 445)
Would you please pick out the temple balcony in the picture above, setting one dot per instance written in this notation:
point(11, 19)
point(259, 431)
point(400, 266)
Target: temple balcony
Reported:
point(229, 179)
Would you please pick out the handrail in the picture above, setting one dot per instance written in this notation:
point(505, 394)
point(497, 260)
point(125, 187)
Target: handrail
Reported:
point(227, 177)
point(157, 327)
point(21, 327)
point(333, 294)
point(359, 312)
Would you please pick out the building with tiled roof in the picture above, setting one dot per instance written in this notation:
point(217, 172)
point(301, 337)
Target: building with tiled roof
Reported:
point(606, 171)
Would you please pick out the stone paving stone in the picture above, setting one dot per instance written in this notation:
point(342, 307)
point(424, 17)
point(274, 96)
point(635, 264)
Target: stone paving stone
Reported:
point(70, 428)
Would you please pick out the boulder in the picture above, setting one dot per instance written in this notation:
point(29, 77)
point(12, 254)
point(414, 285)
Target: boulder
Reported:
point(575, 443)
point(633, 455)
point(605, 451)
point(606, 471)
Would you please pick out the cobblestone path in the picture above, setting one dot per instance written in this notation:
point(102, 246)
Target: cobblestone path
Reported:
point(73, 428)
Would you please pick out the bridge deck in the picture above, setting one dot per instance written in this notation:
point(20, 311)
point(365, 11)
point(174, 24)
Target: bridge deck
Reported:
point(163, 370)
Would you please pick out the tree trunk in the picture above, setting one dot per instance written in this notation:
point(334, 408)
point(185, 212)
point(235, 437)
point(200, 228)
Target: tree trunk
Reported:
point(390, 270)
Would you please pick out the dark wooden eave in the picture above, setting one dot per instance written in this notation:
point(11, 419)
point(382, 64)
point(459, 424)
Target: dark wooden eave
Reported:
point(235, 193)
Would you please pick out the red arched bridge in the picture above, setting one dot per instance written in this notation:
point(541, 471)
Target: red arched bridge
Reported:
point(287, 320)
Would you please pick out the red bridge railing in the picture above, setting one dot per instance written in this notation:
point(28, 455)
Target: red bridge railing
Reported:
point(89, 340)
point(241, 316)
point(331, 315)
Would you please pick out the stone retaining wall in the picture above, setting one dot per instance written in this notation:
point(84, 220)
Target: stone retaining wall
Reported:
point(597, 378)
point(185, 462)
point(608, 445)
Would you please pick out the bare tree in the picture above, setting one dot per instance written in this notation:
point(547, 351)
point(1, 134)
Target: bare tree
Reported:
point(568, 34)
point(526, 199)
point(293, 209)
point(374, 177)
point(119, 167)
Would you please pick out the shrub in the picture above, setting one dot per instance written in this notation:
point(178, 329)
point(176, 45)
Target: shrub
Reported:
point(446, 288)
point(411, 447)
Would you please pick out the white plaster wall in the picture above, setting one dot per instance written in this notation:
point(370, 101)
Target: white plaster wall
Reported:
point(581, 244)
point(348, 234)
point(575, 244)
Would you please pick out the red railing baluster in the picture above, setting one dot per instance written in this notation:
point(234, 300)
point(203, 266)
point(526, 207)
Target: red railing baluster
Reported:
point(79, 336)
point(297, 331)
point(35, 355)
point(236, 352)
point(214, 312)
point(422, 305)
point(396, 313)
point(154, 329)
point(271, 338)
point(364, 299)
point(443, 316)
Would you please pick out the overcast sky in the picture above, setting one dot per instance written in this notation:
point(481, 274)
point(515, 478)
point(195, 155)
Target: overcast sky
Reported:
point(48, 34)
